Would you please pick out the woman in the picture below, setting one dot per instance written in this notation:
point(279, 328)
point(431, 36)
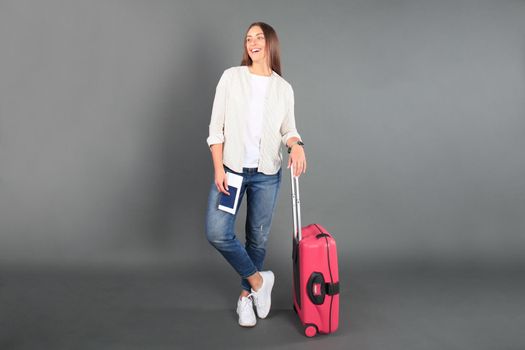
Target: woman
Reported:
point(253, 112)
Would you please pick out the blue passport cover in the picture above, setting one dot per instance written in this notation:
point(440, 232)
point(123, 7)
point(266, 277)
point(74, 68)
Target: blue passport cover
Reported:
point(228, 201)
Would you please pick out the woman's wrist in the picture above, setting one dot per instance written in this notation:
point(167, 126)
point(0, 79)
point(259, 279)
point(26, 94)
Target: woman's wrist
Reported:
point(295, 143)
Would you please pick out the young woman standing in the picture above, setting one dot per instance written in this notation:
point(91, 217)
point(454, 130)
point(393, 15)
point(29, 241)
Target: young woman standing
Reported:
point(253, 113)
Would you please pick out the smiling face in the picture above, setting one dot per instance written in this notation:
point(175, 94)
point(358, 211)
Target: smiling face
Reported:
point(261, 46)
point(256, 44)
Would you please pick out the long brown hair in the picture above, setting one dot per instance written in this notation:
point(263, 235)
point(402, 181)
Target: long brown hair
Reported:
point(273, 51)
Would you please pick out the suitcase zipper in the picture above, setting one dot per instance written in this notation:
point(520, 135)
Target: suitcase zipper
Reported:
point(325, 235)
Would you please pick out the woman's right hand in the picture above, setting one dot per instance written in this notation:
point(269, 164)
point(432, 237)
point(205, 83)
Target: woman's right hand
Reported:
point(221, 181)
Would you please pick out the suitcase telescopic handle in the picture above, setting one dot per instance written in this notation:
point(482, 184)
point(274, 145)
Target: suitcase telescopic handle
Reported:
point(296, 206)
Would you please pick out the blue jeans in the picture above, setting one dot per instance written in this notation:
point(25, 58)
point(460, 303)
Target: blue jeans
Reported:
point(261, 195)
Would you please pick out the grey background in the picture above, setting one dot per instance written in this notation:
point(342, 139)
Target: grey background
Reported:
point(412, 111)
point(413, 115)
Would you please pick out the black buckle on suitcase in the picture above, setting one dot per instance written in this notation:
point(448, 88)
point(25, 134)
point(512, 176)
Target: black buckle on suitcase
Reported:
point(332, 288)
point(315, 292)
point(317, 295)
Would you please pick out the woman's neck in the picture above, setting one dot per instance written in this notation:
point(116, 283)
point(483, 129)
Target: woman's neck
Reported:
point(260, 68)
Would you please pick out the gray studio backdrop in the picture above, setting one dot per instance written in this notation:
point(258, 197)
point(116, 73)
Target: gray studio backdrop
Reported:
point(413, 115)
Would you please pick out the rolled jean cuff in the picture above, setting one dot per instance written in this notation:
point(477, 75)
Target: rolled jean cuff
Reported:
point(248, 275)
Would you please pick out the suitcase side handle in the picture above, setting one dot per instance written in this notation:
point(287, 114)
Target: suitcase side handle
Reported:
point(296, 206)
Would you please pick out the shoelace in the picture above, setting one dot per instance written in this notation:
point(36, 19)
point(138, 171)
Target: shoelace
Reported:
point(256, 299)
point(245, 301)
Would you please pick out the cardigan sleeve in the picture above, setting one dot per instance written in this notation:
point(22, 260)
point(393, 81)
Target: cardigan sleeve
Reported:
point(288, 129)
point(216, 126)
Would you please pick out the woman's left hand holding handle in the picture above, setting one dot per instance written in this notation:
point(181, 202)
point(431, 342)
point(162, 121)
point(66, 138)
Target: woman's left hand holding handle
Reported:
point(297, 160)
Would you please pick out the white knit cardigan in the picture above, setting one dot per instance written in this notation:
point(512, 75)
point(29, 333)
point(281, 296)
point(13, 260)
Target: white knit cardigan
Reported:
point(230, 108)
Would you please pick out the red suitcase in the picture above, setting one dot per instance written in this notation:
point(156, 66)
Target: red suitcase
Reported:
point(315, 273)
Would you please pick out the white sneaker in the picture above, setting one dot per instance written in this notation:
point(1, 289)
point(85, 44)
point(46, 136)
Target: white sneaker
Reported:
point(263, 297)
point(245, 311)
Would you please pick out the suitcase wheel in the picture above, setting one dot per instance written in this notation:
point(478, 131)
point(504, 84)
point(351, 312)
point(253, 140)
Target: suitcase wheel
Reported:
point(310, 330)
point(294, 308)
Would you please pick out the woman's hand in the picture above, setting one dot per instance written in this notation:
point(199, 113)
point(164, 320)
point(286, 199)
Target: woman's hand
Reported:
point(297, 160)
point(221, 181)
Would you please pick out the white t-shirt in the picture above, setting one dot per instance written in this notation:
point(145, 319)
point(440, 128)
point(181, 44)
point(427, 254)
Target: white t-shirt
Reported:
point(254, 119)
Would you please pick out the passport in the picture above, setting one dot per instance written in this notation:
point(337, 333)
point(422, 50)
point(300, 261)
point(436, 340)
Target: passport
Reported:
point(229, 203)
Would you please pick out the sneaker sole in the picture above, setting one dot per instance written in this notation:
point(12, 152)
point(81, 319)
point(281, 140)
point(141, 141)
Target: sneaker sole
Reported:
point(247, 326)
